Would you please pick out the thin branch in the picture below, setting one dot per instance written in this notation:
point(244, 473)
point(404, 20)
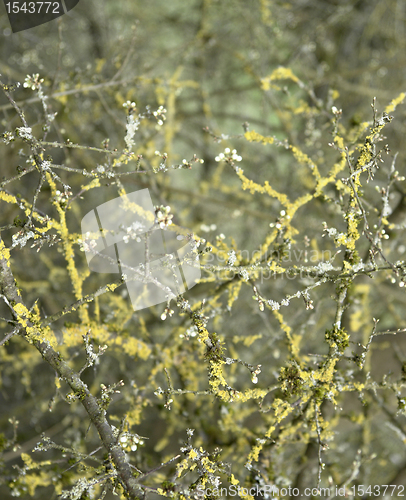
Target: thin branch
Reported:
point(95, 411)
point(9, 335)
point(320, 447)
point(56, 95)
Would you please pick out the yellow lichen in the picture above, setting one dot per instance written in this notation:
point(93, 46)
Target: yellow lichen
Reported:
point(395, 102)
point(253, 136)
point(4, 253)
point(280, 73)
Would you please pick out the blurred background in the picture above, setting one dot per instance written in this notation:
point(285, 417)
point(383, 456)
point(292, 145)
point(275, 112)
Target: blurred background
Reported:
point(205, 61)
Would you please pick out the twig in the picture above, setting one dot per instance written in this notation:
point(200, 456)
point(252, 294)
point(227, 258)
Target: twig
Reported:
point(320, 447)
point(9, 335)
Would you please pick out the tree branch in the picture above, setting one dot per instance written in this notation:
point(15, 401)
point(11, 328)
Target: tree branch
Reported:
point(96, 413)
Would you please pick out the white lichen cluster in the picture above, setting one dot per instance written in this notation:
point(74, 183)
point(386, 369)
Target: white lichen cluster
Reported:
point(232, 258)
point(24, 133)
point(133, 123)
point(8, 137)
point(163, 217)
point(130, 442)
point(87, 244)
point(207, 229)
point(160, 115)
point(133, 232)
point(21, 238)
point(228, 155)
point(33, 81)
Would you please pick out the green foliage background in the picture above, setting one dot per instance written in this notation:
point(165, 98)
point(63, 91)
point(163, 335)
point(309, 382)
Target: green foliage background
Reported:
point(289, 85)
